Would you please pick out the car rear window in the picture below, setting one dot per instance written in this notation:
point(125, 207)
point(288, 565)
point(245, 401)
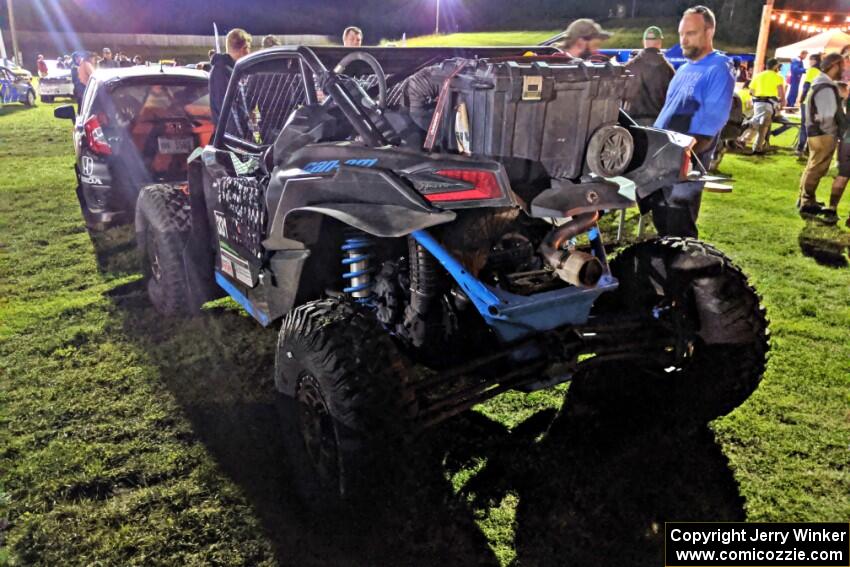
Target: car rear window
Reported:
point(134, 102)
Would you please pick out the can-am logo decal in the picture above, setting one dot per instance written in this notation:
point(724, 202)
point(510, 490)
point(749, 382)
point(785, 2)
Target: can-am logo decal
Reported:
point(332, 165)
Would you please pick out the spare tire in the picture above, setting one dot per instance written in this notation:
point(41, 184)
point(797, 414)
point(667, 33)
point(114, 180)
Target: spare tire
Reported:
point(610, 151)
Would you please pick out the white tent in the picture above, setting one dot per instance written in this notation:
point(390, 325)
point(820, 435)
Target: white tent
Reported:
point(824, 42)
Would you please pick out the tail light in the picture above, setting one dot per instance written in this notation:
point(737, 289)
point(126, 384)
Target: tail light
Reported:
point(95, 137)
point(484, 185)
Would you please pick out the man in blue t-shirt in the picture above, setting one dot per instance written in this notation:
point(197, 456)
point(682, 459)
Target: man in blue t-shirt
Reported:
point(698, 103)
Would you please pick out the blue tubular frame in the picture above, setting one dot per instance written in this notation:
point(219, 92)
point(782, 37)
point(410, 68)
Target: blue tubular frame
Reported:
point(516, 316)
point(240, 298)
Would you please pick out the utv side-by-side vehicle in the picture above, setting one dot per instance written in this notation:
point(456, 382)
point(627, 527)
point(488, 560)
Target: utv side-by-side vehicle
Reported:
point(423, 222)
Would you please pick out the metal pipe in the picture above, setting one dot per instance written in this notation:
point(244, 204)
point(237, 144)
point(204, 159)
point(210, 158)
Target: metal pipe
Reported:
point(459, 371)
point(579, 271)
point(463, 405)
point(16, 54)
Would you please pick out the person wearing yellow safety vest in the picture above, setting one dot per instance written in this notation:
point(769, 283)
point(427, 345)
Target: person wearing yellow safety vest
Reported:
point(768, 88)
point(811, 74)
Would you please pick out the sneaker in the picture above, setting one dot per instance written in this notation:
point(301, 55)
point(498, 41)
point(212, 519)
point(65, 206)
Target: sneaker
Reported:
point(828, 217)
point(820, 204)
point(810, 211)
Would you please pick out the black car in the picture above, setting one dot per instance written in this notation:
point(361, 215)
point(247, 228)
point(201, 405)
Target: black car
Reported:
point(136, 126)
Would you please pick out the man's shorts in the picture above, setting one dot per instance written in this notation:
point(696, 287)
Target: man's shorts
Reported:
point(844, 159)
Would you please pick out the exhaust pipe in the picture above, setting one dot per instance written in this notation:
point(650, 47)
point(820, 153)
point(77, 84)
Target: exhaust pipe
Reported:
point(580, 269)
point(576, 268)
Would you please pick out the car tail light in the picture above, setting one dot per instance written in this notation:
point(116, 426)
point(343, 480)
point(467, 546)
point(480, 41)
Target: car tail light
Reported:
point(95, 137)
point(485, 185)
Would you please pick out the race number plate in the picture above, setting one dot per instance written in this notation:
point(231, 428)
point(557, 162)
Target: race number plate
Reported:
point(175, 145)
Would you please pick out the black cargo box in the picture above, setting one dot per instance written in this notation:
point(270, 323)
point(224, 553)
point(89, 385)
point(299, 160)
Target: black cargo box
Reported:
point(540, 110)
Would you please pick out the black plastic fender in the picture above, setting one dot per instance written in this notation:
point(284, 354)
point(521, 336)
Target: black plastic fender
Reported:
point(372, 200)
point(567, 199)
point(657, 160)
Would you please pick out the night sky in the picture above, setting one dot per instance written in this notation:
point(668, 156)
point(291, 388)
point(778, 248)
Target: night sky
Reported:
point(381, 18)
point(197, 16)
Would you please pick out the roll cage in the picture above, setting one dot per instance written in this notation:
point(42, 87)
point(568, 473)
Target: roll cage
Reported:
point(316, 65)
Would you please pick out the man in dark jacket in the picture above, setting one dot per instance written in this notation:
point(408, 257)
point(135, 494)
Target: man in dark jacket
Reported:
point(108, 62)
point(238, 44)
point(653, 73)
point(825, 122)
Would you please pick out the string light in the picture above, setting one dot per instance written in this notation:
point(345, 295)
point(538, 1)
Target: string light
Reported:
point(804, 21)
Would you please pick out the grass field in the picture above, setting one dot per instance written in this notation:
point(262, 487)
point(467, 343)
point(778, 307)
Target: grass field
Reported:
point(627, 34)
point(129, 439)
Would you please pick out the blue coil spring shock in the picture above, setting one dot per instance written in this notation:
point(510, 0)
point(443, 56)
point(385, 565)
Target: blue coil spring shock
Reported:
point(358, 261)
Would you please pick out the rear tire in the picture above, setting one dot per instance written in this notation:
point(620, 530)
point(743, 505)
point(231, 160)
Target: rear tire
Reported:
point(46, 99)
point(346, 404)
point(30, 99)
point(163, 222)
point(710, 304)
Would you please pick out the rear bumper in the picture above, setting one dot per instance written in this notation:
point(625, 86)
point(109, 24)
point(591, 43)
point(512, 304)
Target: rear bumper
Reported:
point(55, 90)
point(99, 212)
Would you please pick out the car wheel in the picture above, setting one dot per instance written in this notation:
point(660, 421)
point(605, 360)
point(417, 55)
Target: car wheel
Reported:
point(30, 98)
point(46, 99)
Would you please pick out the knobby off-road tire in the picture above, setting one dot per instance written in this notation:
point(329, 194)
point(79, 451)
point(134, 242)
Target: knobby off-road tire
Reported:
point(706, 292)
point(352, 404)
point(163, 222)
